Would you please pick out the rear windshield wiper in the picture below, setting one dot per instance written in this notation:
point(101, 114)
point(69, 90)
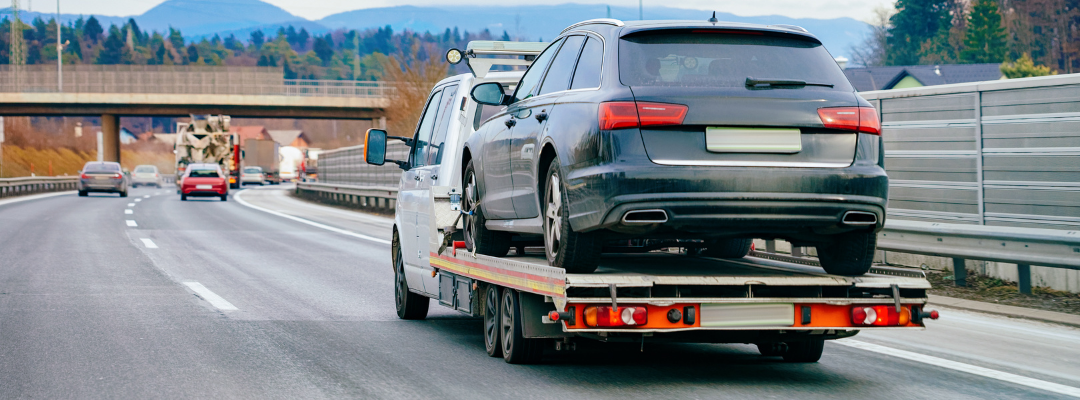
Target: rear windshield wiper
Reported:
point(783, 82)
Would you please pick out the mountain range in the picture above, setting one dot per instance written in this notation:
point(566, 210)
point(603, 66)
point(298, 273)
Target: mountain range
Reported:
point(202, 18)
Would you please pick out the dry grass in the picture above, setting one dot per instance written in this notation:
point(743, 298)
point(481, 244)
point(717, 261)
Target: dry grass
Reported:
point(412, 84)
point(33, 144)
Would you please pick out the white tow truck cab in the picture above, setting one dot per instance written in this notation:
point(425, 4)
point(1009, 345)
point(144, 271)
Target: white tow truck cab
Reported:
point(785, 307)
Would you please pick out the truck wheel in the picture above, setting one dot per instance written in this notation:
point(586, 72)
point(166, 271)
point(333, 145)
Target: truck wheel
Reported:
point(516, 348)
point(491, 321)
point(727, 248)
point(577, 253)
point(478, 237)
point(849, 254)
point(409, 305)
point(804, 352)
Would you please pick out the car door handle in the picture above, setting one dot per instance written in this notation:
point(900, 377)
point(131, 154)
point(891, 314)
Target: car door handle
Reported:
point(510, 123)
point(541, 117)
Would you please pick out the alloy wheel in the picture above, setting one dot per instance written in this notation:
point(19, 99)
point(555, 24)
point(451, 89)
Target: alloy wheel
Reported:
point(400, 289)
point(469, 206)
point(491, 318)
point(553, 215)
point(507, 319)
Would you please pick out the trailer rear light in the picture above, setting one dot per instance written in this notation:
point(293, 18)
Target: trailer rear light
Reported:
point(880, 316)
point(605, 316)
point(629, 114)
point(858, 119)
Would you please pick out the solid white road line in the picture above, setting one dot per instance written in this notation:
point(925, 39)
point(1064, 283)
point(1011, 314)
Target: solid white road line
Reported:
point(131, 222)
point(33, 197)
point(131, 204)
point(238, 198)
point(129, 211)
point(958, 366)
point(148, 243)
point(211, 297)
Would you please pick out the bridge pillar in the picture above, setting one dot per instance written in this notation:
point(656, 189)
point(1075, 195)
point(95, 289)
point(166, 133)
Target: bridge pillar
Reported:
point(110, 140)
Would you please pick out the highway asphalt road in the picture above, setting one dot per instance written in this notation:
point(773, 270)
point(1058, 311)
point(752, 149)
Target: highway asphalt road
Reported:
point(205, 298)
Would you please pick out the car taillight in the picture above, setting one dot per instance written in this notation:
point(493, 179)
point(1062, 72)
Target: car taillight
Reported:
point(116, 175)
point(880, 316)
point(629, 114)
point(859, 119)
point(605, 316)
point(83, 176)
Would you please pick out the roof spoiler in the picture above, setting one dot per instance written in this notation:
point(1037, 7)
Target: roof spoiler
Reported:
point(481, 66)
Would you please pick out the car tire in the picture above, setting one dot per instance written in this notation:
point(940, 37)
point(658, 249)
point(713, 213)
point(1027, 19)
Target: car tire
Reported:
point(808, 351)
point(225, 197)
point(478, 237)
point(849, 254)
point(516, 348)
point(575, 252)
point(123, 194)
point(771, 349)
point(492, 342)
point(410, 306)
point(82, 193)
point(727, 248)
point(183, 197)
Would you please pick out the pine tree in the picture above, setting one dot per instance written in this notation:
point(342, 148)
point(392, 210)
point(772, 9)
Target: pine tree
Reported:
point(915, 22)
point(985, 39)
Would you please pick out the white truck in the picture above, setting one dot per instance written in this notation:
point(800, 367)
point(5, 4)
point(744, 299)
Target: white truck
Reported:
point(206, 139)
point(781, 304)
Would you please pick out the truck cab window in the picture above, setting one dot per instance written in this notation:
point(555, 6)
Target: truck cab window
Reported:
point(423, 132)
point(442, 124)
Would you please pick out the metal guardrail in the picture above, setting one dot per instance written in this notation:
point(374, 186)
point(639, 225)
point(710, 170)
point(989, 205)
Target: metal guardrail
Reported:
point(10, 187)
point(179, 79)
point(364, 196)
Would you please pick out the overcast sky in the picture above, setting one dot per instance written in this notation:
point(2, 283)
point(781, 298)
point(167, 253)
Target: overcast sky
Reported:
point(316, 9)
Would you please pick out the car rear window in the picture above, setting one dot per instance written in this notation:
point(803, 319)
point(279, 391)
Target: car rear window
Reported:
point(252, 170)
point(101, 167)
point(704, 58)
point(204, 173)
point(144, 169)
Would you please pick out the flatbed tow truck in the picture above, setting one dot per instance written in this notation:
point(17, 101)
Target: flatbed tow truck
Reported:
point(786, 308)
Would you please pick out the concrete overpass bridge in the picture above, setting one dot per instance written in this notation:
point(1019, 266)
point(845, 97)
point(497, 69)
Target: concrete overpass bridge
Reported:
point(114, 91)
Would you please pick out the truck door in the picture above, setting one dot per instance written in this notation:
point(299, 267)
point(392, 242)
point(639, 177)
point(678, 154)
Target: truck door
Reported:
point(426, 231)
point(411, 194)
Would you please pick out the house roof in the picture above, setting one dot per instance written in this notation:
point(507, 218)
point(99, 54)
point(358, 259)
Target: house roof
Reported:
point(286, 137)
point(250, 132)
point(882, 78)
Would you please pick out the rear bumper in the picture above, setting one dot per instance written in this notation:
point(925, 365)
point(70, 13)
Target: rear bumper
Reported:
point(101, 187)
point(204, 192)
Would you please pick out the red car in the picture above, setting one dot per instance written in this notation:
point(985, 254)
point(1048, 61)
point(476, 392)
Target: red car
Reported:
point(204, 180)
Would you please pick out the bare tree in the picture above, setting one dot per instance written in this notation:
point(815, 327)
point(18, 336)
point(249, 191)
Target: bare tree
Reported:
point(874, 47)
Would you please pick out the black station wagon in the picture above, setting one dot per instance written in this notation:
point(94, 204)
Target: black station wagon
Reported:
point(702, 132)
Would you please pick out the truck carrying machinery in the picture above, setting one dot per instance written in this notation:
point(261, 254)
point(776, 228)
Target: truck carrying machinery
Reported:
point(784, 306)
point(264, 154)
point(206, 139)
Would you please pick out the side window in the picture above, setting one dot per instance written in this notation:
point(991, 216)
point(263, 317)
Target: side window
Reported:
point(558, 76)
point(589, 66)
point(423, 132)
point(447, 111)
point(530, 82)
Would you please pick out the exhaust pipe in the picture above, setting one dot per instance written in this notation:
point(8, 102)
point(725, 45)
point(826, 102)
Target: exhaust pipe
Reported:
point(859, 218)
point(643, 217)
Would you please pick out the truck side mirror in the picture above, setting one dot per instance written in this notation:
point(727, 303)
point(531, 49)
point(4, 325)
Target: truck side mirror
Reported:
point(490, 94)
point(375, 147)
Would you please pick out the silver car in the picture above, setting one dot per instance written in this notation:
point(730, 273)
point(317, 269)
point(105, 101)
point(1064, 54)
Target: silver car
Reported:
point(103, 176)
point(146, 175)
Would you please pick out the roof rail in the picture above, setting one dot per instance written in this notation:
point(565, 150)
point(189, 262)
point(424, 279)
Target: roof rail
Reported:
point(605, 21)
point(481, 66)
point(791, 27)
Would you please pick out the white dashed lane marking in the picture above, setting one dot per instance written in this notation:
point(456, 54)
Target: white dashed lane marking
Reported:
point(131, 222)
point(131, 204)
point(138, 200)
point(129, 211)
point(148, 243)
point(210, 297)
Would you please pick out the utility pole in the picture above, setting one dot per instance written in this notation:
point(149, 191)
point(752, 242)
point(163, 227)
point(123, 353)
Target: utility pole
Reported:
point(59, 52)
point(640, 10)
point(16, 52)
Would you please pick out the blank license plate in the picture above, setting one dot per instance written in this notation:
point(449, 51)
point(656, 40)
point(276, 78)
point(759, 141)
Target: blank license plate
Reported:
point(747, 315)
point(753, 140)
point(204, 186)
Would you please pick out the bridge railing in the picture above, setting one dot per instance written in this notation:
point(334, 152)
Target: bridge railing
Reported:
point(178, 79)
